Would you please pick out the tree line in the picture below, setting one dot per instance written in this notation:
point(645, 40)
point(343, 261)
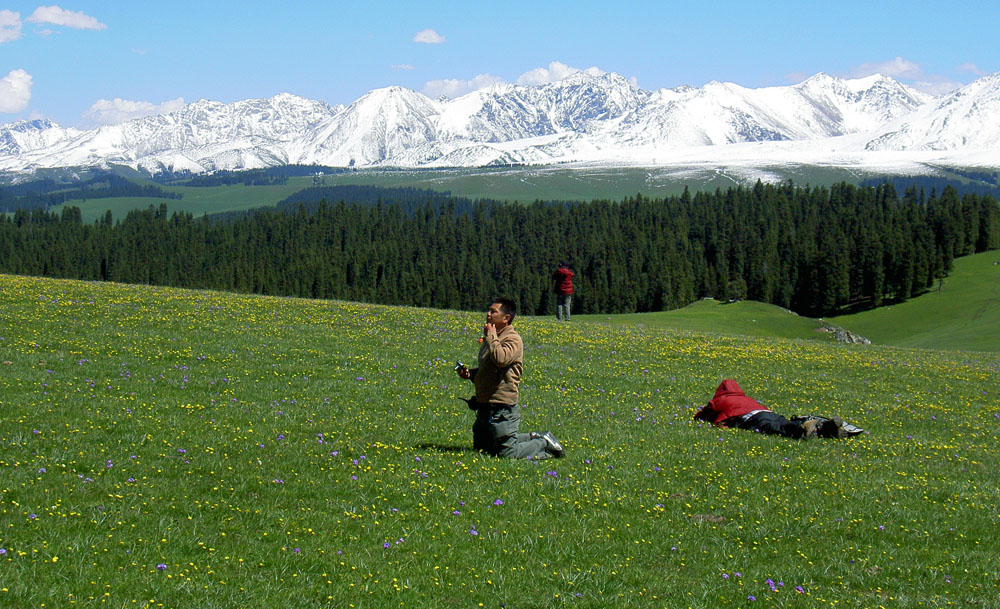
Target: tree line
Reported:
point(269, 176)
point(977, 182)
point(814, 250)
point(46, 193)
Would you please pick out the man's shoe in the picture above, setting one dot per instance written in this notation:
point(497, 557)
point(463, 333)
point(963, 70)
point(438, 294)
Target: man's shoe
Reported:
point(851, 430)
point(809, 427)
point(551, 444)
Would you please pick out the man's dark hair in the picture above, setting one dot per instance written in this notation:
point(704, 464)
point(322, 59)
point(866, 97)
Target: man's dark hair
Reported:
point(508, 307)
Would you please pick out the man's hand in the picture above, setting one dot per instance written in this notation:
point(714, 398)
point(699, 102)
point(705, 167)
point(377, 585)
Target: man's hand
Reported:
point(464, 373)
point(488, 329)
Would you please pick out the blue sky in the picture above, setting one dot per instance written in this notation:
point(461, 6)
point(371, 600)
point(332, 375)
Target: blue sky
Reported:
point(87, 63)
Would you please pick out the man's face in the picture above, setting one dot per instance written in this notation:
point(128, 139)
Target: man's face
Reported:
point(496, 316)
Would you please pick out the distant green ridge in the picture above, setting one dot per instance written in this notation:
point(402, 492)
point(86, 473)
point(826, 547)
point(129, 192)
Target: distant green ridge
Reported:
point(963, 314)
point(741, 318)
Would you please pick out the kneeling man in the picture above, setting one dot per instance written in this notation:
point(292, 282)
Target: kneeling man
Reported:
point(498, 415)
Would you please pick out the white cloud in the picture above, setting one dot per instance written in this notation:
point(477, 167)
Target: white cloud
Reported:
point(59, 16)
point(894, 68)
point(454, 87)
point(557, 70)
point(428, 36)
point(401, 66)
point(105, 112)
point(936, 85)
point(971, 68)
point(910, 73)
point(796, 77)
point(15, 91)
point(10, 26)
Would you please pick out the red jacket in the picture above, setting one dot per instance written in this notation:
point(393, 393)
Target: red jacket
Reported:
point(729, 401)
point(563, 280)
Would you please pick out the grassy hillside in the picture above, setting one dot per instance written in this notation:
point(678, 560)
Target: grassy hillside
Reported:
point(172, 448)
point(963, 314)
point(743, 318)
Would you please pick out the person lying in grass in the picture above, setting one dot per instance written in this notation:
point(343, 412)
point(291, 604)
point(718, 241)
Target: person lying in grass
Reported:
point(732, 408)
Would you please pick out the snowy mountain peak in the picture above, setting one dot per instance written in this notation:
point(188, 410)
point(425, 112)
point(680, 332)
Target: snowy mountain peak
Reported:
point(968, 118)
point(586, 116)
point(31, 125)
point(583, 77)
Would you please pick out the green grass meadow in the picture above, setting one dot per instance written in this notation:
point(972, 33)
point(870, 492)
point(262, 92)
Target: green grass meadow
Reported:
point(196, 201)
point(963, 313)
point(171, 448)
point(743, 318)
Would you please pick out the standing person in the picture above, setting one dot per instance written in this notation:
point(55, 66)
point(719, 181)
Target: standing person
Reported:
point(501, 360)
point(732, 408)
point(562, 285)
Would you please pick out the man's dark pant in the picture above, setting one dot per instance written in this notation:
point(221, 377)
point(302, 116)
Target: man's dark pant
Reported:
point(770, 423)
point(495, 433)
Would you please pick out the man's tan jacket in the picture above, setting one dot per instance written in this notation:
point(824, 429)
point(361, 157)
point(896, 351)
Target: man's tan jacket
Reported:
point(501, 358)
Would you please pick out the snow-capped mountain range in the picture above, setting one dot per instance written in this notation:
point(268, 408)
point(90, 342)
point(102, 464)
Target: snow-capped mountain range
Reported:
point(585, 117)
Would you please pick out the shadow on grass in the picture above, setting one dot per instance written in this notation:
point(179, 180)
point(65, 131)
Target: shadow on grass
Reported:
point(442, 448)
